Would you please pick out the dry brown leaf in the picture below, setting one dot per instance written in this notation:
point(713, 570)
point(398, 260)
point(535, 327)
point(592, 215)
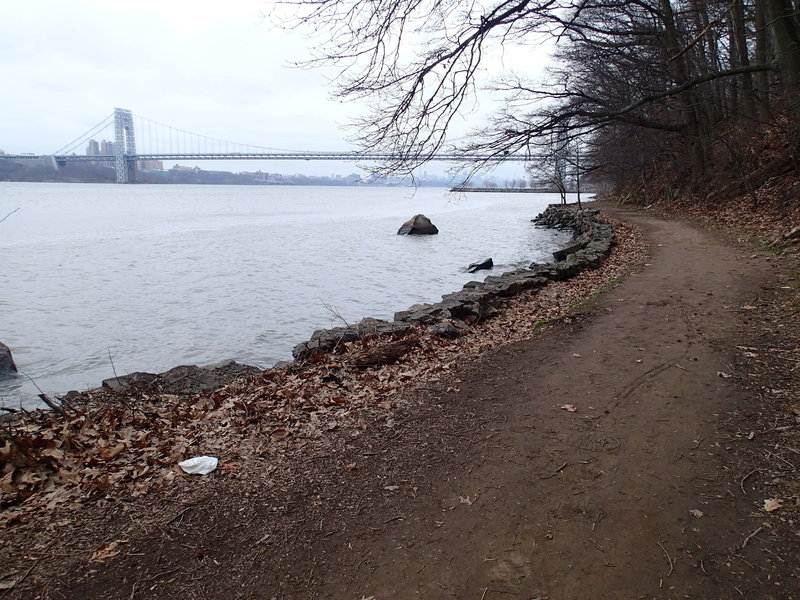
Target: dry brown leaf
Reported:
point(772, 504)
point(279, 434)
point(568, 407)
point(106, 551)
point(112, 452)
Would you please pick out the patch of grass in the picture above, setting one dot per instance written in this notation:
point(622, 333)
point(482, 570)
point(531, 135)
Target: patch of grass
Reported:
point(539, 324)
point(611, 283)
point(765, 246)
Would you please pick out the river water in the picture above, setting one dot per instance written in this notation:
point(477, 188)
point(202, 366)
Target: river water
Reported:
point(157, 276)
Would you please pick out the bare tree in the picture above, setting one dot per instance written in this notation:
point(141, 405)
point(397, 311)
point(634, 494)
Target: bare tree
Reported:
point(655, 77)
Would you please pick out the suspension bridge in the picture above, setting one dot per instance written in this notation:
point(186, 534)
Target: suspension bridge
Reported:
point(159, 142)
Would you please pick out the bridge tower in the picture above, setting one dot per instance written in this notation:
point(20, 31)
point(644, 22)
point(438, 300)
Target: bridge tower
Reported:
point(124, 146)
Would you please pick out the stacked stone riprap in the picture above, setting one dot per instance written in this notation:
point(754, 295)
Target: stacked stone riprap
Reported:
point(478, 301)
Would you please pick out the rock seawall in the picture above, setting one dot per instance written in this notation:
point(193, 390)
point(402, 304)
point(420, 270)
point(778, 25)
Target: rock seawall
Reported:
point(477, 301)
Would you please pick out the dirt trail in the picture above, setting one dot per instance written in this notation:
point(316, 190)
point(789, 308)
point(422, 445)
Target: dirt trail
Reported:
point(543, 502)
point(491, 488)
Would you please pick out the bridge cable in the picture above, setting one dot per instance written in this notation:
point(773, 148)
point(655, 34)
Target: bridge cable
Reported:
point(79, 140)
point(221, 145)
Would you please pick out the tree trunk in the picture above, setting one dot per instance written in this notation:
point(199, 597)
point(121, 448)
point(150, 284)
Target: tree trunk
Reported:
point(762, 77)
point(679, 71)
point(784, 31)
point(748, 106)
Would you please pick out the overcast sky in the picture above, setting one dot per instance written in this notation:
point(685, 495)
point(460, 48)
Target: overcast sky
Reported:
point(212, 67)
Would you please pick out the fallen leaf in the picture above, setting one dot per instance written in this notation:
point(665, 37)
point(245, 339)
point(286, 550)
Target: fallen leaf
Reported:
point(772, 504)
point(576, 355)
point(724, 375)
point(568, 407)
point(112, 452)
point(106, 551)
point(279, 434)
point(696, 513)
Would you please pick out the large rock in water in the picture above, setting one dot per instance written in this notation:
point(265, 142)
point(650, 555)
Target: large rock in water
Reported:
point(418, 225)
point(7, 366)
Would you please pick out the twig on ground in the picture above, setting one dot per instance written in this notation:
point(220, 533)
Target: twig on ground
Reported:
point(773, 428)
point(483, 595)
point(741, 483)
point(602, 447)
point(669, 558)
point(28, 572)
point(45, 398)
point(598, 545)
point(60, 410)
point(600, 516)
point(781, 458)
point(21, 579)
point(749, 537)
point(153, 578)
point(556, 472)
point(180, 514)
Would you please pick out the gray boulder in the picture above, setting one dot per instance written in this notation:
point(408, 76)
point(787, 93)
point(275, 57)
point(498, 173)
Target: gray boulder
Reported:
point(418, 225)
point(572, 248)
point(445, 329)
point(183, 380)
point(477, 266)
point(7, 366)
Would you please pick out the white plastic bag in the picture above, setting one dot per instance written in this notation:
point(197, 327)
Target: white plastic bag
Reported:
point(199, 465)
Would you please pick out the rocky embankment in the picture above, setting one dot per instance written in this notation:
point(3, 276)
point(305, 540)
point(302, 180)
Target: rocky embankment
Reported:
point(480, 300)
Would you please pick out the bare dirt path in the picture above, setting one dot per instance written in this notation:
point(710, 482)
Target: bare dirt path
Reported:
point(599, 460)
point(541, 502)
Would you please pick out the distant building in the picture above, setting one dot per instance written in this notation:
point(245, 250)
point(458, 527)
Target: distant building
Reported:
point(151, 165)
point(93, 149)
point(106, 147)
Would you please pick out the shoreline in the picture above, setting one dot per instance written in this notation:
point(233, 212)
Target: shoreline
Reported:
point(301, 391)
point(268, 313)
point(476, 302)
point(124, 447)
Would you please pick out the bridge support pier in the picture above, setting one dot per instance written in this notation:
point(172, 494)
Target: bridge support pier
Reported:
point(124, 146)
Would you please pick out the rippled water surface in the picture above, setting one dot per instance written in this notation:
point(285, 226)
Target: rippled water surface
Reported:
point(158, 276)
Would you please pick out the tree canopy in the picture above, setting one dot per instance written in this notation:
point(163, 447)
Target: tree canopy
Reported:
point(642, 83)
